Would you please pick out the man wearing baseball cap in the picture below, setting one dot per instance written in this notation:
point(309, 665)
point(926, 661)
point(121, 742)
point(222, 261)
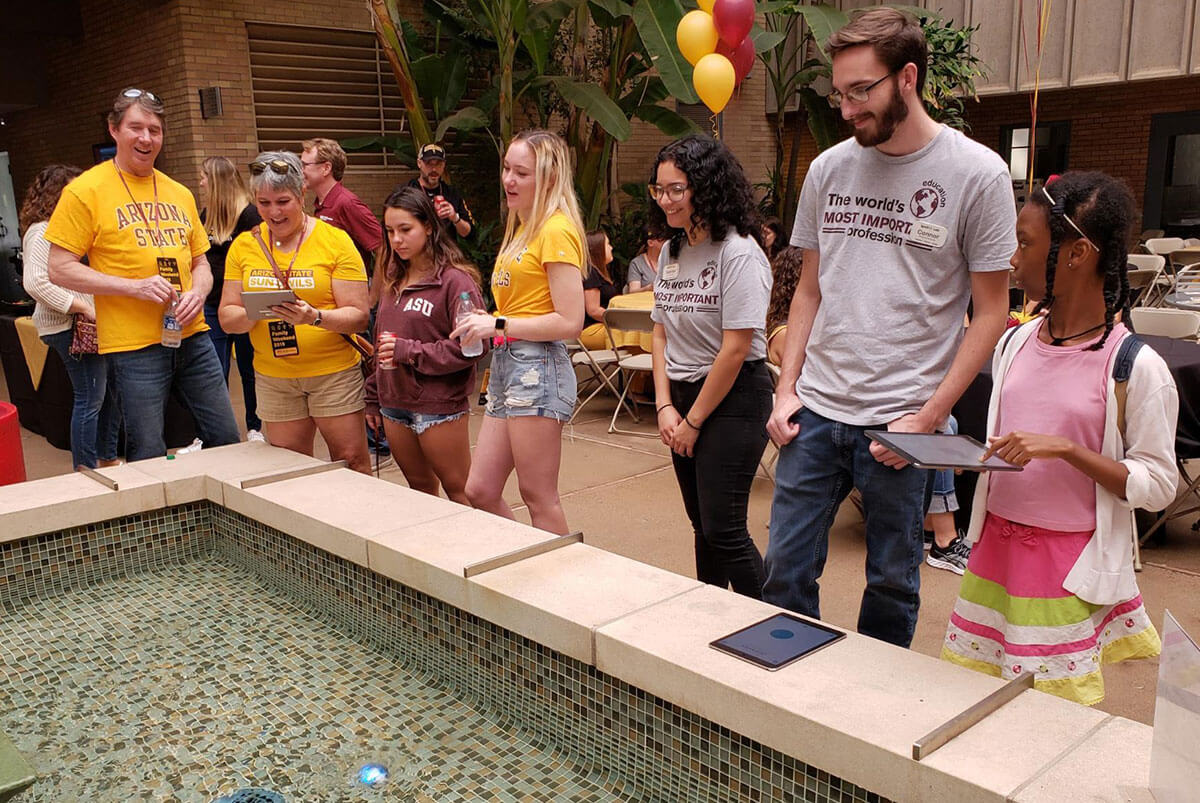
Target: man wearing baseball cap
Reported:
point(450, 206)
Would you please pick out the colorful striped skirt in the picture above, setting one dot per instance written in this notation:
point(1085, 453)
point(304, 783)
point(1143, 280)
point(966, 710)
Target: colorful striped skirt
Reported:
point(1013, 615)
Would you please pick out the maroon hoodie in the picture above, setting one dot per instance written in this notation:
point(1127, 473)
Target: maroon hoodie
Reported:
point(431, 375)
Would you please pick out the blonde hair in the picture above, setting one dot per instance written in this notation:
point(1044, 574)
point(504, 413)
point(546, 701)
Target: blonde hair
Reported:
point(554, 191)
point(227, 197)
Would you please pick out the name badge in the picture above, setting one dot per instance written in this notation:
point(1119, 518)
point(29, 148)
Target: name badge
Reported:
point(283, 339)
point(930, 234)
point(168, 268)
point(670, 271)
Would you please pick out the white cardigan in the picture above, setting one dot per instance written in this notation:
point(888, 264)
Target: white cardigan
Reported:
point(1103, 574)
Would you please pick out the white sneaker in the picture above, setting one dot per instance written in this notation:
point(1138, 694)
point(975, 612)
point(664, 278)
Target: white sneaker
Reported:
point(254, 436)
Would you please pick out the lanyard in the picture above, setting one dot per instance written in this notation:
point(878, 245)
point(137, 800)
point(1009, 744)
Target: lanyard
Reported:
point(138, 207)
point(284, 277)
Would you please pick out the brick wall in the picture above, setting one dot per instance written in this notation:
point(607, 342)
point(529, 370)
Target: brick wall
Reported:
point(202, 43)
point(1110, 125)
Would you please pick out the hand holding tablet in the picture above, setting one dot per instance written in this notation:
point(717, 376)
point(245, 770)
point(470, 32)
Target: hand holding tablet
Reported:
point(926, 450)
point(258, 303)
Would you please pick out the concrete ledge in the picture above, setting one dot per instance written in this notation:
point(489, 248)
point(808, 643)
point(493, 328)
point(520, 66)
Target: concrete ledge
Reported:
point(71, 500)
point(852, 709)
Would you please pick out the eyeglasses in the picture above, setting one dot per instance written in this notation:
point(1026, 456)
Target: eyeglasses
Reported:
point(137, 93)
point(860, 94)
point(311, 164)
point(275, 166)
point(1067, 218)
point(672, 192)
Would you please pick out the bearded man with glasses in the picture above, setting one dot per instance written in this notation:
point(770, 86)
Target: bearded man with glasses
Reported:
point(902, 226)
point(145, 246)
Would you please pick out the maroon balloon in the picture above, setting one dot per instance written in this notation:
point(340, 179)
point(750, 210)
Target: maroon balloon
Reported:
point(741, 57)
point(733, 20)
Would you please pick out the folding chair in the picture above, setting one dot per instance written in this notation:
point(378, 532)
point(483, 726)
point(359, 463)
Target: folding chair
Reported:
point(629, 320)
point(1175, 510)
point(1159, 283)
point(1180, 324)
point(602, 367)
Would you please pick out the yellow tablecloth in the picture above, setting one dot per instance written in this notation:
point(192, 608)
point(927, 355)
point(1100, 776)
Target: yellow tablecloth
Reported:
point(640, 300)
point(35, 350)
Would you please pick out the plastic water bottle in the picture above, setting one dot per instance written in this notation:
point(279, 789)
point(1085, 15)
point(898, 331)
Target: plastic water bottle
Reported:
point(464, 310)
point(172, 332)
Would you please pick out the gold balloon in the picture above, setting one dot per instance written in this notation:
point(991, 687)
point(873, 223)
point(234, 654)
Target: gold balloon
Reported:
point(706, 5)
point(714, 79)
point(696, 35)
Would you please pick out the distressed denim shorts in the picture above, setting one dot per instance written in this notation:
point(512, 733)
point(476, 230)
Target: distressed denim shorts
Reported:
point(531, 378)
point(417, 422)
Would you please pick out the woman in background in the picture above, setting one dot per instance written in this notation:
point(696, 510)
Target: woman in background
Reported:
point(227, 212)
point(95, 417)
point(598, 289)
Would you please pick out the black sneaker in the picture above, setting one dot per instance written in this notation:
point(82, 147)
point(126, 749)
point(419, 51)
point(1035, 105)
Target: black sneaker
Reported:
point(952, 557)
point(928, 539)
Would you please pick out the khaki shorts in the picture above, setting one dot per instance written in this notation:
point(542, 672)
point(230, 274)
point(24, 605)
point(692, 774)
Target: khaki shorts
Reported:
point(322, 396)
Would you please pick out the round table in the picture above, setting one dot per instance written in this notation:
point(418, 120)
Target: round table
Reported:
point(638, 300)
point(1187, 299)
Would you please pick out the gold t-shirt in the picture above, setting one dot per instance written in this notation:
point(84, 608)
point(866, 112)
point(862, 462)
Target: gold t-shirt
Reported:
point(125, 237)
point(327, 253)
point(521, 286)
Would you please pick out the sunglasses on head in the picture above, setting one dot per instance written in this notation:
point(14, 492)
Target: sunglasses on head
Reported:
point(274, 165)
point(137, 93)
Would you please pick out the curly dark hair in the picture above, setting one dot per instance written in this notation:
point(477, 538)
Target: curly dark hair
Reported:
point(721, 195)
point(43, 192)
point(1102, 207)
point(785, 272)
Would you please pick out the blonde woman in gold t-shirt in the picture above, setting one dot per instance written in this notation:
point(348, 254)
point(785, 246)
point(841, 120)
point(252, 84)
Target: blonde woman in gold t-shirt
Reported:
point(538, 286)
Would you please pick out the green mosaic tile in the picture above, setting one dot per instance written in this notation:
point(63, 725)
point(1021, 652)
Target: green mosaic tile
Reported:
point(605, 739)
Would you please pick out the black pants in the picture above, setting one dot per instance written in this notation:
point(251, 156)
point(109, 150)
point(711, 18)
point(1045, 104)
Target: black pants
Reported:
point(715, 482)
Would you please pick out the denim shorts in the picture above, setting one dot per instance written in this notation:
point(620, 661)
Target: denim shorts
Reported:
point(530, 377)
point(418, 422)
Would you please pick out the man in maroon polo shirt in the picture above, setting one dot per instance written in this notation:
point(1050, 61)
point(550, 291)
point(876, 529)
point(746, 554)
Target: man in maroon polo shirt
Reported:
point(324, 164)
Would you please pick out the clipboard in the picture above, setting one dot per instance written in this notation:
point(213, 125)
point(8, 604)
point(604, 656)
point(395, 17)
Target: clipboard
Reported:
point(258, 303)
point(934, 450)
point(777, 641)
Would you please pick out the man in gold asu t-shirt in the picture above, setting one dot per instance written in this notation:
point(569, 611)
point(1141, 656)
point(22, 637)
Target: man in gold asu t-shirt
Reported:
point(145, 246)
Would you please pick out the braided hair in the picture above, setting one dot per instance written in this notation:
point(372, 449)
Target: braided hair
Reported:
point(1102, 207)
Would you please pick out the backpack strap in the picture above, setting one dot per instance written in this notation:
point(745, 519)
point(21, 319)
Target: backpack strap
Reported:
point(1121, 371)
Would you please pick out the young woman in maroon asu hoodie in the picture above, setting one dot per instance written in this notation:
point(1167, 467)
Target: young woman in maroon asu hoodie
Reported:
point(422, 383)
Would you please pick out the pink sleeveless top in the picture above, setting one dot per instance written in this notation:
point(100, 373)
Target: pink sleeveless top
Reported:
point(1053, 390)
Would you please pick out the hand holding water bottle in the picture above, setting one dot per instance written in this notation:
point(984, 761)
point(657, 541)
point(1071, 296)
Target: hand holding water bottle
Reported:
point(464, 309)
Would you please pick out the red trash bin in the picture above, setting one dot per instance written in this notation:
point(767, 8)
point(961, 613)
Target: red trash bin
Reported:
point(12, 459)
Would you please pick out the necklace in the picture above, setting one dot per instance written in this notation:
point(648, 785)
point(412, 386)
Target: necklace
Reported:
point(1058, 341)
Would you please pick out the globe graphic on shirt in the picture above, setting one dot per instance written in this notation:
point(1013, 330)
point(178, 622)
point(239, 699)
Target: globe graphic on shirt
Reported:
point(924, 202)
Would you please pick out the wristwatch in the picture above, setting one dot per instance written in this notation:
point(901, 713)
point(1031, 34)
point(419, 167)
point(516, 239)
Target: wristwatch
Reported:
point(317, 320)
point(501, 323)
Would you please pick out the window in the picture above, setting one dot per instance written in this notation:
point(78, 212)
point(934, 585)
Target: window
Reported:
point(315, 82)
point(1050, 148)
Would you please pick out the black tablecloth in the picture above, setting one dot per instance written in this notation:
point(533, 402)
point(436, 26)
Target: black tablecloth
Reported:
point(46, 410)
point(1183, 360)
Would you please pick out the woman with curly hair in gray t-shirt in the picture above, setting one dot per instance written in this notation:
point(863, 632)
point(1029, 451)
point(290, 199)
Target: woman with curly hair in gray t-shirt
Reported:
point(712, 389)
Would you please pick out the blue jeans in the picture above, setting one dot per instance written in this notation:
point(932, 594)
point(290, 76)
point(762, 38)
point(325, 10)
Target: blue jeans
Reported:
point(944, 499)
point(226, 346)
point(531, 377)
point(144, 380)
point(814, 474)
point(95, 418)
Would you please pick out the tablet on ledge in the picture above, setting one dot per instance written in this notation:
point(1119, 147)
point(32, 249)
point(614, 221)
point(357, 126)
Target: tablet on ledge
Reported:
point(259, 302)
point(933, 450)
point(777, 641)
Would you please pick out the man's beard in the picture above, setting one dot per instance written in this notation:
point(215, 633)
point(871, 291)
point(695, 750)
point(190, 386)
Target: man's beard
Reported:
point(885, 124)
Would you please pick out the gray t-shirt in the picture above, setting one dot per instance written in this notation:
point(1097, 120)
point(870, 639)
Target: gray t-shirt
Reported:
point(640, 271)
point(898, 237)
point(718, 286)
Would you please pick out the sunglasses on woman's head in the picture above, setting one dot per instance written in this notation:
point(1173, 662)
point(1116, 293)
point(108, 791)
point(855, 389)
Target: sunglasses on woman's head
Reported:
point(275, 166)
point(137, 93)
